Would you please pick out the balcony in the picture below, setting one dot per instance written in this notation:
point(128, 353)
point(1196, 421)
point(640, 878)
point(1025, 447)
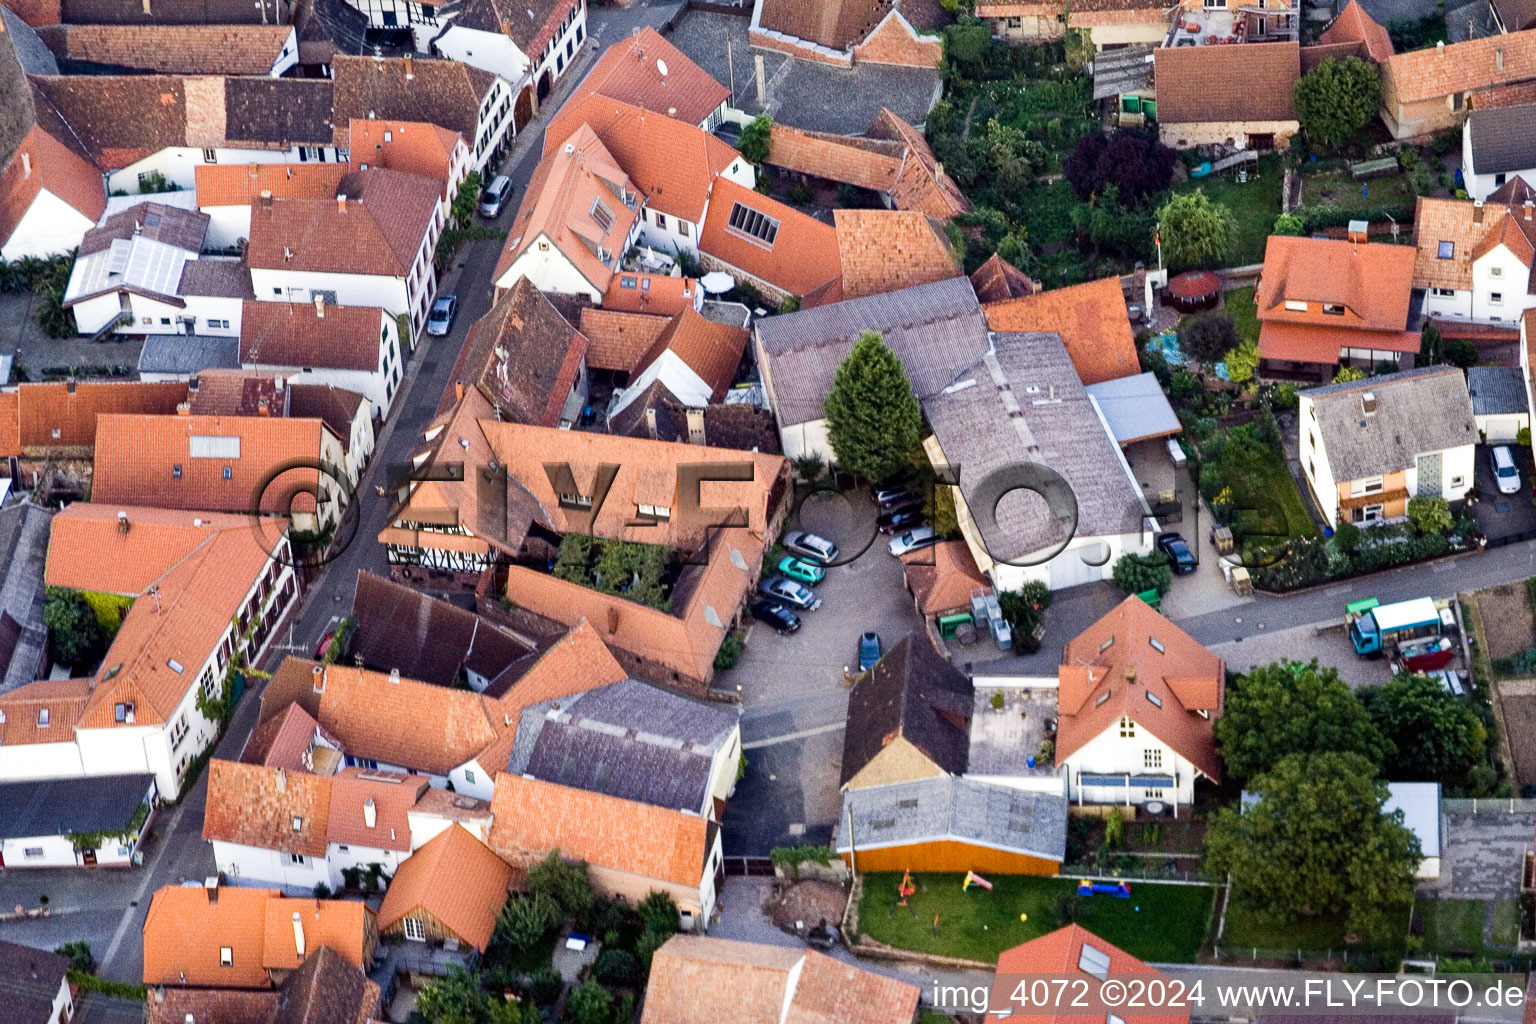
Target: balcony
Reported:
point(1248, 23)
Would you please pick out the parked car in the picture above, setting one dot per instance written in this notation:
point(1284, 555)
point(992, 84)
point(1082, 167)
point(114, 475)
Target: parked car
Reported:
point(444, 309)
point(325, 642)
point(901, 501)
point(775, 615)
point(494, 196)
point(1180, 558)
point(922, 537)
point(890, 522)
point(869, 651)
point(789, 592)
point(801, 570)
point(1504, 470)
point(886, 490)
point(808, 545)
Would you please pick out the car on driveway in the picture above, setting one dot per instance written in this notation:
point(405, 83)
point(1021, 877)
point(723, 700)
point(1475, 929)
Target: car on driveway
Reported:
point(1179, 556)
point(777, 588)
point(809, 546)
point(799, 569)
point(869, 651)
point(494, 196)
point(444, 309)
point(922, 537)
point(1504, 470)
point(901, 502)
point(775, 615)
point(888, 490)
point(890, 522)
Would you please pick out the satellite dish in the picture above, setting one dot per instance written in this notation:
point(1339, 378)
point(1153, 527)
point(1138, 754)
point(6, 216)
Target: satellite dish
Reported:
point(661, 66)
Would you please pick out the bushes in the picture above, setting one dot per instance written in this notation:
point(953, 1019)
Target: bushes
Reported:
point(1430, 515)
point(616, 967)
point(1302, 562)
point(1137, 573)
point(729, 653)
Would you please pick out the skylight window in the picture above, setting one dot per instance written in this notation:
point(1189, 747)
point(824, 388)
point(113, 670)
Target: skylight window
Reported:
point(1153, 699)
point(1447, 250)
point(602, 215)
point(753, 224)
point(1157, 645)
point(1093, 961)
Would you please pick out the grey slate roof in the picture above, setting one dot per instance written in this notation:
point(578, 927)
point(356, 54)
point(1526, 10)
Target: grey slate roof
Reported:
point(230, 279)
point(188, 353)
point(24, 529)
point(1426, 409)
point(963, 810)
point(1496, 390)
point(1128, 69)
point(1503, 138)
point(937, 330)
point(279, 111)
point(1135, 407)
point(35, 57)
point(54, 807)
point(1024, 403)
point(915, 694)
point(29, 983)
point(628, 740)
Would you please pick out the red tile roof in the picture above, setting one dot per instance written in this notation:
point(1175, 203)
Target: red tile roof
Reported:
point(1460, 67)
point(1091, 319)
point(630, 71)
point(1353, 25)
point(650, 293)
point(1303, 344)
point(457, 880)
point(268, 808)
point(391, 796)
point(243, 184)
point(1247, 82)
point(56, 415)
point(711, 349)
point(63, 699)
point(416, 148)
point(1372, 282)
point(874, 164)
point(997, 280)
point(523, 356)
point(887, 250)
point(922, 185)
point(297, 335)
point(43, 162)
point(1059, 953)
point(617, 340)
point(1111, 670)
point(803, 257)
point(377, 230)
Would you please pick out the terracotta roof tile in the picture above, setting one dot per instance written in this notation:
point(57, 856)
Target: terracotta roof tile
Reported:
point(176, 49)
point(1122, 662)
point(1449, 234)
point(252, 805)
point(63, 699)
point(457, 880)
point(997, 280)
point(829, 991)
point(341, 926)
point(1060, 953)
point(1353, 25)
point(1091, 319)
point(836, 24)
point(157, 461)
point(1303, 344)
point(56, 166)
point(802, 258)
point(393, 795)
point(441, 92)
point(650, 293)
point(1372, 282)
point(673, 163)
point(425, 150)
point(560, 206)
point(287, 334)
point(523, 356)
point(1476, 64)
point(711, 349)
point(120, 119)
point(922, 186)
point(1247, 82)
point(885, 250)
point(378, 230)
point(942, 579)
point(71, 410)
point(535, 817)
point(874, 164)
point(243, 184)
point(284, 740)
point(214, 1005)
point(616, 340)
point(629, 71)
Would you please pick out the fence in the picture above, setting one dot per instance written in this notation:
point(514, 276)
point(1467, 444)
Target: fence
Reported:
point(1257, 954)
point(754, 867)
point(1489, 805)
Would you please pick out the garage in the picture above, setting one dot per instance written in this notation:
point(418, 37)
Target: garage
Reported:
point(1499, 402)
point(1071, 568)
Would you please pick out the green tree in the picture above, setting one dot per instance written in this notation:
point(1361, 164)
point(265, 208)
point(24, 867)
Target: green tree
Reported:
point(1196, 232)
point(1430, 515)
point(1293, 708)
point(1136, 573)
point(873, 420)
point(616, 967)
point(75, 634)
point(1208, 338)
point(756, 141)
point(1431, 346)
point(647, 945)
point(1243, 362)
point(80, 956)
point(466, 200)
point(526, 919)
point(659, 912)
point(1347, 374)
point(456, 999)
point(589, 1003)
point(564, 882)
point(1461, 352)
point(1336, 99)
point(1289, 224)
point(1316, 843)
point(1437, 737)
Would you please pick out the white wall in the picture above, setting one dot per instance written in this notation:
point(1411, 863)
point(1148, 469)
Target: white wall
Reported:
point(1455, 306)
point(1315, 464)
point(340, 856)
point(472, 779)
point(386, 293)
point(678, 235)
point(488, 51)
point(1502, 429)
point(1078, 563)
point(677, 376)
point(152, 316)
point(254, 866)
point(380, 386)
point(549, 271)
point(49, 227)
point(1499, 272)
point(1481, 186)
point(494, 124)
point(179, 163)
point(1109, 754)
point(42, 760)
point(227, 225)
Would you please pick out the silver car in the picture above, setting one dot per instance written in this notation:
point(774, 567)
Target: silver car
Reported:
point(789, 592)
point(440, 320)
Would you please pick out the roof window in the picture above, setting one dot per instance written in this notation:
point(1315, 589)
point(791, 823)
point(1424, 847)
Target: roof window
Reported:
point(1093, 961)
point(1447, 250)
point(1157, 645)
point(753, 224)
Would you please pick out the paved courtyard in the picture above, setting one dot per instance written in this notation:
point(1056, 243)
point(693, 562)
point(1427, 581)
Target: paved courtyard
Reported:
point(1329, 645)
point(1483, 854)
point(1504, 515)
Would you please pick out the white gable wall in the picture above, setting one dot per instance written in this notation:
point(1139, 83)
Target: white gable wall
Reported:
point(1111, 754)
point(49, 227)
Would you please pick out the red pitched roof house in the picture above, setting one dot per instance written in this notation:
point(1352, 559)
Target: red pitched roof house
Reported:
point(844, 32)
point(1136, 700)
point(1323, 303)
point(694, 358)
point(1227, 95)
point(1066, 952)
point(1425, 91)
point(647, 71)
point(451, 888)
point(779, 250)
point(526, 359)
point(1091, 319)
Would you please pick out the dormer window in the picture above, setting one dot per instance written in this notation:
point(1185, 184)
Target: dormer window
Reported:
point(1333, 309)
point(1295, 306)
point(661, 512)
point(580, 501)
point(298, 823)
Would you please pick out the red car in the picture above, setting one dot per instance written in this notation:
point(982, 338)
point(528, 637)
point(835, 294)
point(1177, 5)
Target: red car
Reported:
point(324, 643)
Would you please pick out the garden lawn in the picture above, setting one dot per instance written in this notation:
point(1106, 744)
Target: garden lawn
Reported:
point(1314, 936)
point(1456, 926)
point(1239, 305)
point(1159, 922)
point(1254, 204)
point(1336, 189)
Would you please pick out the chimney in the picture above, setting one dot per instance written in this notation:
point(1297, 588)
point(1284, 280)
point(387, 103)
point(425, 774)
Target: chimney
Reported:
point(1368, 403)
point(410, 69)
point(370, 813)
point(341, 203)
point(266, 199)
point(193, 384)
point(1440, 48)
point(298, 935)
point(1477, 212)
point(183, 408)
point(394, 675)
point(695, 426)
point(282, 780)
point(69, 388)
point(458, 391)
point(263, 409)
point(650, 421)
point(122, 522)
point(318, 674)
point(1528, 205)
point(320, 307)
point(211, 888)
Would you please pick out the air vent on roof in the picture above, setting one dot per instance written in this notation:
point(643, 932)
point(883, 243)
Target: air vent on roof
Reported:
point(1368, 403)
point(883, 823)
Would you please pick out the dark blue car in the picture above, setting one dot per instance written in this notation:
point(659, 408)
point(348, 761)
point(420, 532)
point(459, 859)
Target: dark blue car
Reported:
point(869, 651)
point(1180, 558)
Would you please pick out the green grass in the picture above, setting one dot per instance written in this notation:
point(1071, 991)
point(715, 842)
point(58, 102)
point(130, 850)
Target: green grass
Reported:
point(1170, 925)
point(1456, 926)
point(1313, 935)
point(1281, 486)
point(1244, 313)
point(1337, 189)
point(1254, 204)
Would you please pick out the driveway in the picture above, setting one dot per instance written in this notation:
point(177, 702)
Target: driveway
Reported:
point(794, 697)
point(1504, 515)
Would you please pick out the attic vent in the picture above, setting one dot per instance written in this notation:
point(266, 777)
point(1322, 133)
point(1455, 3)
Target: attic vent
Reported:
point(1368, 403)
point(906, 804)
point(883, 823)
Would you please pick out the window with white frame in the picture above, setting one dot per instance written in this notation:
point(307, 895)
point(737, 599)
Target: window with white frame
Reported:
point(1366, 485)
point(415, 930)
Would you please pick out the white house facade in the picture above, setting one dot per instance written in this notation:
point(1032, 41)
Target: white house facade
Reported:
point(49, 227)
